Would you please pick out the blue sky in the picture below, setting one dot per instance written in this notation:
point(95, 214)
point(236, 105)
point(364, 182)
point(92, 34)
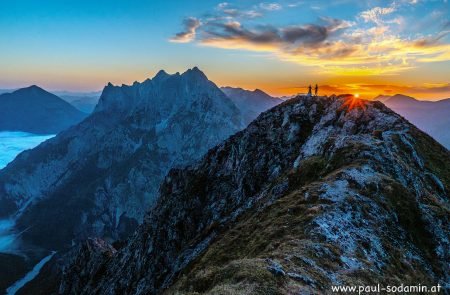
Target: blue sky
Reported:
point(278, 46)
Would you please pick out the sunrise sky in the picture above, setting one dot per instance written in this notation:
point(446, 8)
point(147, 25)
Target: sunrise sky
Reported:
point(346, 46)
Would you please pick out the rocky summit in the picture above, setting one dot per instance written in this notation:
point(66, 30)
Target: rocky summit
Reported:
point(98, 178)
point(316, 192)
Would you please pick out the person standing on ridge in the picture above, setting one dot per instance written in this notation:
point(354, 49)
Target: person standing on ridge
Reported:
point(309, 90)
point(316, 89)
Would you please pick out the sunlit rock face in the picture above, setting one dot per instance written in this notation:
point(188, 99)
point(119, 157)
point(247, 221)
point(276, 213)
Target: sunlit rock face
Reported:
point(313, 193)
point(99, 177)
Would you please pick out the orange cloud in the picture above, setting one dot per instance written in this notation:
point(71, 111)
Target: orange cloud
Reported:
point(332, 47)
point(377, 54)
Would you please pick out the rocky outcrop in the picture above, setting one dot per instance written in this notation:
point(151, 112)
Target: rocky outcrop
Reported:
point(315, 192)
point(94, 251)
point(99, 177)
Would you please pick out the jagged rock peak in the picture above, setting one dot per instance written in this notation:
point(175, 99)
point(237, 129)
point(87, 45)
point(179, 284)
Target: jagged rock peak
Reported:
point(163, 85)
point(196, 72)
point(161, 75)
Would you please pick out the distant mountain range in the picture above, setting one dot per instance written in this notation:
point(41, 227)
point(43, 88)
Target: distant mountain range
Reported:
point(7, 90)
point(84, 101)
point(433, 117)
point(35, 110)
point(251, 103)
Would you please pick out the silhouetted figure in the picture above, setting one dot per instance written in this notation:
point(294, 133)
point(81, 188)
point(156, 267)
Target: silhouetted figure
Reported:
point(316, 90)
point(309, 90)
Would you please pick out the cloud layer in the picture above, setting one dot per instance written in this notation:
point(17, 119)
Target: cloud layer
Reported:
point(366, 45)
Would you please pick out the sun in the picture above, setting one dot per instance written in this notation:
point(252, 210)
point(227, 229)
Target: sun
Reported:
point(353, 102)
point(357, 95)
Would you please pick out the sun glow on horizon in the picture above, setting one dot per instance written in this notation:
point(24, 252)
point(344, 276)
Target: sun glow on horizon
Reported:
point(369, 48)
point(353, 102)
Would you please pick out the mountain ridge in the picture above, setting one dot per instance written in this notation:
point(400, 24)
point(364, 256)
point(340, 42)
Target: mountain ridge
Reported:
point(307, 196)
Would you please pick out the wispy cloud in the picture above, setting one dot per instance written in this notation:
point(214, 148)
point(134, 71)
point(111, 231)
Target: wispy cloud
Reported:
point(295, 4)
point(222, 5)
point(270, 6)
point(376, 14)
point(190, 26)
point(228, 11)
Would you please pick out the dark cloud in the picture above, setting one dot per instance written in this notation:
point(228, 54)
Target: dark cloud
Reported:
point(307, 35)
point(234, 30)
point(190, 26)
point(223, 29)
point(341, 52)
point(431, 41)
point(318, 40)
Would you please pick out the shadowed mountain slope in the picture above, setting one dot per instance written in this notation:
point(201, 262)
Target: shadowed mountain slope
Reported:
point(311, 194)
